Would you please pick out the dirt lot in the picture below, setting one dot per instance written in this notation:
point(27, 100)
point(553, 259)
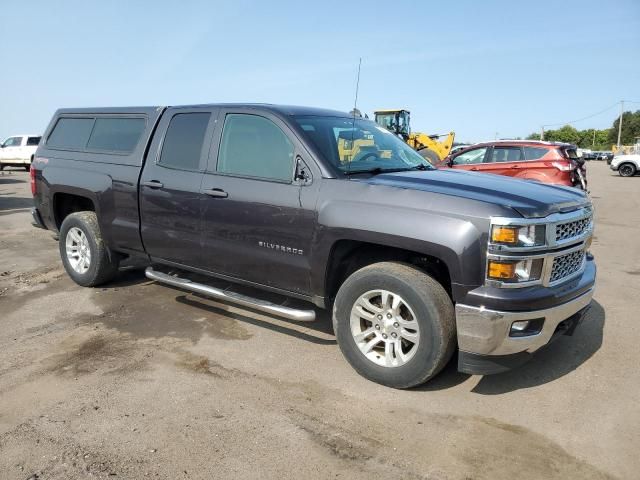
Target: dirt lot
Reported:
point(140, 380)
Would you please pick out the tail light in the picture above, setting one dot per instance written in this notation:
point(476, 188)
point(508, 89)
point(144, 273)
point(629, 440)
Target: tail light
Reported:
point(32, 178)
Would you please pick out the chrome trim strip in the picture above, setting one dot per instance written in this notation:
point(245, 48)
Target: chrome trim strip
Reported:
point(239, 299)
point(486, 332)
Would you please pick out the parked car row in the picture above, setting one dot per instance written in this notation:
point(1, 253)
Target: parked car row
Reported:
point(595, 155)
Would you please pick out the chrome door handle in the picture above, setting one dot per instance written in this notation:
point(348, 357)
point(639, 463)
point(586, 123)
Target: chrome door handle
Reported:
point(216, 192)
point(153, 184)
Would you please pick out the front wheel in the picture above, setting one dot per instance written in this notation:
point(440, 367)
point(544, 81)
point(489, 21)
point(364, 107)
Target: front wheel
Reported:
point(429, 155)
point(394, 324)
point(83, 252)
point(627, 170)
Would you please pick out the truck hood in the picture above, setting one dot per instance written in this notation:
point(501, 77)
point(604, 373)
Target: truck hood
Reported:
point(529, 198)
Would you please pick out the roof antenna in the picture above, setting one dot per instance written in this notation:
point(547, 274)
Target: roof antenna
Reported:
point(355, 109)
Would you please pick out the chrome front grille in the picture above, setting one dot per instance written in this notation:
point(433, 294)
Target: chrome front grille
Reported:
point(568, 230)
point(566, 265)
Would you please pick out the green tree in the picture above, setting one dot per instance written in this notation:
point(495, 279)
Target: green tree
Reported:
point(630, 129)
point(566, 134)
point(590, 138)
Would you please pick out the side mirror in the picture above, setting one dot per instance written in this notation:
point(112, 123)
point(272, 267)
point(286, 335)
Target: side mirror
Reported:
point(302, 174)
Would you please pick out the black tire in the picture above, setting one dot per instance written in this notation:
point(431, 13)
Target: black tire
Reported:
point(27, 167)
point(102, 267)
point(1, 167)
point(429, 155)
point(433, 310)
point(627, 170)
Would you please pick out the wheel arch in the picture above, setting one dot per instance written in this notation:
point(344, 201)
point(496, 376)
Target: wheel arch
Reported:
point(347, 256)
point(65, 203)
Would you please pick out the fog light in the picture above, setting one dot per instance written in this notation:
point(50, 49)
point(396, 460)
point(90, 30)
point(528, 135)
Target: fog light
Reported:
point(524, 328)
point(520, 326)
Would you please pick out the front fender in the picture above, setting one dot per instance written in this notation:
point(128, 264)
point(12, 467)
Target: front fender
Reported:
point(455, 241)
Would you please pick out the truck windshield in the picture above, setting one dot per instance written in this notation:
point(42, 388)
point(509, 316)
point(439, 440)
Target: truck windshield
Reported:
point(360, 146)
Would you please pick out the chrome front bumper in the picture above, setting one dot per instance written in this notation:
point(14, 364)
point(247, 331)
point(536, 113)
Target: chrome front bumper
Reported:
point(486, 332)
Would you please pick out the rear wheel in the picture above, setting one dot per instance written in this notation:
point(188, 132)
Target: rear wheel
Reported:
point(394, 324)
point(627, 170)
point(83, 253)
point(429, 155)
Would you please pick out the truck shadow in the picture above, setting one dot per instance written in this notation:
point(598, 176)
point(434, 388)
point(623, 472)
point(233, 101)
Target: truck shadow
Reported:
point(6, 180)
point(15, 203)
point(554, 361)
point(550, 363)
point(134, 275)
point(321, 325)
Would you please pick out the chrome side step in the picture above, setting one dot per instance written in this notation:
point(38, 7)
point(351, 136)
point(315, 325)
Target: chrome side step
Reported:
point(232, 297)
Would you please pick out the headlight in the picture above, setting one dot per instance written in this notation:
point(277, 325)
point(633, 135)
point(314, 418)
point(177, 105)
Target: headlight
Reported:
point(515, 271)
point(515, 236)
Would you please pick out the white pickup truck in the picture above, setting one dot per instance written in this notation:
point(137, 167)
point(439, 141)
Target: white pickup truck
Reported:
point(18, 151)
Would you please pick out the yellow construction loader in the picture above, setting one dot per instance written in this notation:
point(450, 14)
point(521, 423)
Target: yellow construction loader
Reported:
point(429, 146)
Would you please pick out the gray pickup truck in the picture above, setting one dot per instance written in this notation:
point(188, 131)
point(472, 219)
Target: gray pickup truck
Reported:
point(413, 262)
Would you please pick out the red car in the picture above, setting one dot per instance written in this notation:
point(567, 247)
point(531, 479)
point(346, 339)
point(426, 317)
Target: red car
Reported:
point(547, 162)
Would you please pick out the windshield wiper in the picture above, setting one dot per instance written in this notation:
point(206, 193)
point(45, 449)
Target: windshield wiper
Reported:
point(374, 171)
point(378, 170)
point(421, 166)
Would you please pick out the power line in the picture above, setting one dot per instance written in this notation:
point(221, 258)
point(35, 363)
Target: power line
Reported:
point(584, 118)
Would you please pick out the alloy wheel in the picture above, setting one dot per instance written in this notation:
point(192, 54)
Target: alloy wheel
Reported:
point(384, 328)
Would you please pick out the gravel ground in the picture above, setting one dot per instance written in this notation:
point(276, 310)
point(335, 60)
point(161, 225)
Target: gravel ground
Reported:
point(140, 380)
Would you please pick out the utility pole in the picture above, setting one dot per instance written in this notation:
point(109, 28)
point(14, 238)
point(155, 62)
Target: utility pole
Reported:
point(542, 132)
point(593, 144)
point(620, 122)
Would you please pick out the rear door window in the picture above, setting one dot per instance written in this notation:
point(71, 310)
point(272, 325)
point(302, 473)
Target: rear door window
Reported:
point(33, 141)
point(182, 146)
point(254, 146)
point(506, 154)
point(471, 157)
point(71, 133)
point(116, 134)
point(534, 153)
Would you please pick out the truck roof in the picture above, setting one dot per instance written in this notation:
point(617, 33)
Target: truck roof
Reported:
point(289, 110)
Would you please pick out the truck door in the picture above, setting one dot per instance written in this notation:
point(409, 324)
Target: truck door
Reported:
point(170, 198)
point(258, 221)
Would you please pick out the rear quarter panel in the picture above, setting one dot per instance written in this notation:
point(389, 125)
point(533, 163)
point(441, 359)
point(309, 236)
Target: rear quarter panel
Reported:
point(108, 179)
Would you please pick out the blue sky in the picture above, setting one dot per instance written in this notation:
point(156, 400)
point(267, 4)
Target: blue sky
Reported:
point(474, 67)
